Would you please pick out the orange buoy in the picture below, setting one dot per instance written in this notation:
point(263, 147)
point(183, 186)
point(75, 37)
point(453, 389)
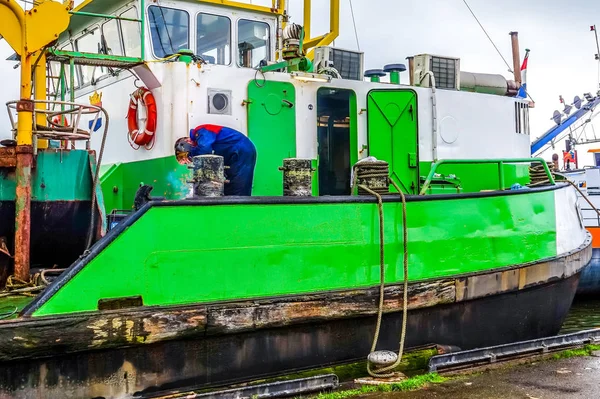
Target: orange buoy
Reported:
point(142, 135)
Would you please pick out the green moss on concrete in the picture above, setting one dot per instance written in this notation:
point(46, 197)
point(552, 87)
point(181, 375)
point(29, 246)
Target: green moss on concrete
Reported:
point(406, 385)
point(585, 351)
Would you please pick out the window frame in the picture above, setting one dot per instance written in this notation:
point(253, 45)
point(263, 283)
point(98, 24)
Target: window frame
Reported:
point(150, 26)
point(119, 33)
point(237, 42)
point(231, 35)
point(121, 30)
point(522, 125)
point(79, 68)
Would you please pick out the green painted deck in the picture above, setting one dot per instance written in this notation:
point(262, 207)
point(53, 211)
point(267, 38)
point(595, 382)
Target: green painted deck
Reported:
point(10, 306)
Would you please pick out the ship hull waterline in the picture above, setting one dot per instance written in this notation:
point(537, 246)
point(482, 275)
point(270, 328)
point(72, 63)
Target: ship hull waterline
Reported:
point(589, 283)
point(221, 343)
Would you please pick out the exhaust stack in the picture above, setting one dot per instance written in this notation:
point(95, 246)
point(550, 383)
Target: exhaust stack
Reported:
point(514, 38)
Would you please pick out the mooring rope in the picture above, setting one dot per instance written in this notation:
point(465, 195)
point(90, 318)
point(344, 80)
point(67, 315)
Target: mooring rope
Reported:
point(90, 233)
point(381, 170)
point(537, 174)
point(38, 281)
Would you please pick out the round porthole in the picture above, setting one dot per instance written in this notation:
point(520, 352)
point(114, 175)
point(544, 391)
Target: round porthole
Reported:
point(220, 102)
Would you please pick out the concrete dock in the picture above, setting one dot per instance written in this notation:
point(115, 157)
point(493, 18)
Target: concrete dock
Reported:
point(573, 378)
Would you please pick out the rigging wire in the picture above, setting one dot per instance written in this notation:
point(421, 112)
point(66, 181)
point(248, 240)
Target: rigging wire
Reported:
point(489, 38)
point(356, 31)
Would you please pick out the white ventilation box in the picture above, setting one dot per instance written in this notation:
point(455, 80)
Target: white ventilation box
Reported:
point(348, 63)
point(446, 71)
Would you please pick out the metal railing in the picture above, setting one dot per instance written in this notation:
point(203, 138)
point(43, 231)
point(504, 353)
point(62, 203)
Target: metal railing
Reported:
point(141, 20)
point(500, 162)
point(58, 126)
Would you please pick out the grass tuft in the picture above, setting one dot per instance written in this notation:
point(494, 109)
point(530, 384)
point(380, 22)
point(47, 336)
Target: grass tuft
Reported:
point(585, 351)
point(406, 385)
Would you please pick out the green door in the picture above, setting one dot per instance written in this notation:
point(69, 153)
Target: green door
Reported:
point(392, 134)
point(272, 129)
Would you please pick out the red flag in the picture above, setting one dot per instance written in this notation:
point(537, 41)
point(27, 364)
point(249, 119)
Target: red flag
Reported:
point(592, 28)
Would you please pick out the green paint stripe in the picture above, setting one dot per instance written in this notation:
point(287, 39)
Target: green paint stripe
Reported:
point(175, 255)
point(475, 178)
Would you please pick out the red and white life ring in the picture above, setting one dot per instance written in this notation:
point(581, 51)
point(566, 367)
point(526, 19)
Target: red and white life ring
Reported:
point(60, 120)
point(142, 135)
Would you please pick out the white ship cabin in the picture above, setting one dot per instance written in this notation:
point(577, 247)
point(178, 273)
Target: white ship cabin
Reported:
point(332, 117)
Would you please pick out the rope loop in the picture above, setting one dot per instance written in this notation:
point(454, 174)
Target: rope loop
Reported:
point(372, 177)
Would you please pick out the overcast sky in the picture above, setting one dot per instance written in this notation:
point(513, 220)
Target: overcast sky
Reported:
point(556, 31)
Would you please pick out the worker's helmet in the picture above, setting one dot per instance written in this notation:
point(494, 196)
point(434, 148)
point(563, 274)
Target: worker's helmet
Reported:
point(183, 146)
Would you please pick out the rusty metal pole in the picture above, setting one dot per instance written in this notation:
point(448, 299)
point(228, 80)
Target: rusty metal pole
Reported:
point(24, 152)
point(514, 38)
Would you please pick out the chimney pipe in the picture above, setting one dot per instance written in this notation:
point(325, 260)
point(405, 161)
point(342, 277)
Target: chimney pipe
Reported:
point(514, 38)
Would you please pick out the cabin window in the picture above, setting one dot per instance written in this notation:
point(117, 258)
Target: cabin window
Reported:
point(522, 118)
point(169, 29)
point(253, 43)
point(131, 33)
point(213, 38)
point(89, 43)
point(111, 40)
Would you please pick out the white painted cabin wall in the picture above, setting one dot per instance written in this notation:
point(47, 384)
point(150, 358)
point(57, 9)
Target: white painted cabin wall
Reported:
point(484, 125)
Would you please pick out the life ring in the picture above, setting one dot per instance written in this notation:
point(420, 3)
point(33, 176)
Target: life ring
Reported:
point(142, 136)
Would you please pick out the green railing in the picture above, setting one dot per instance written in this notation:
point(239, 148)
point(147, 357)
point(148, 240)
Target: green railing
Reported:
point(141, 20)
point(500, 162)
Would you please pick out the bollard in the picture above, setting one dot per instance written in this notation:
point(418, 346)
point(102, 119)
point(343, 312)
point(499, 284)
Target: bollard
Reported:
point(382, 358)
point(208, 175)
point(373, 175)
point(297, 177)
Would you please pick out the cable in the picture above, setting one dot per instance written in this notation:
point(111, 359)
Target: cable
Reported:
point(490, 39)
point(95, 183)
point(354, 23)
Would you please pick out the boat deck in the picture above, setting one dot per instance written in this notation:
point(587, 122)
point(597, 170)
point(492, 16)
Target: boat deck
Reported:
point(10, 306)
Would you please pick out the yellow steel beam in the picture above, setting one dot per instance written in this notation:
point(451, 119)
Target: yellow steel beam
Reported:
point(13, 18)
point(275, 9)
point(334, 28)
point(40, 94)
point(244, 6)
point(307, 20)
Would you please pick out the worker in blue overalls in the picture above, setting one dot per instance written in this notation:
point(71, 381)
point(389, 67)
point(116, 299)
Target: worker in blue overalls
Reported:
point(238, 153)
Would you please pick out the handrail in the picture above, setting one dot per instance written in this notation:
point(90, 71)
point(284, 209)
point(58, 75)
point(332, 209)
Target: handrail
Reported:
point(141, 20)
point(105, 16)
point(499, 161)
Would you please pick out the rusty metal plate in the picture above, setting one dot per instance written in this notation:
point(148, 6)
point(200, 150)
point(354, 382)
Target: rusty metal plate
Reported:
point(8, 157)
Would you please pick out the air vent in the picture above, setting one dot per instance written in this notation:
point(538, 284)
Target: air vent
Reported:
point(219, 102)
point(349, 64)
point(446, 71)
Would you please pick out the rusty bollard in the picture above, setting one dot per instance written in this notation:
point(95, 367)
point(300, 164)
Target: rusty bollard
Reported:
point(373, 175)
point(208, 175)
point(297, 177)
